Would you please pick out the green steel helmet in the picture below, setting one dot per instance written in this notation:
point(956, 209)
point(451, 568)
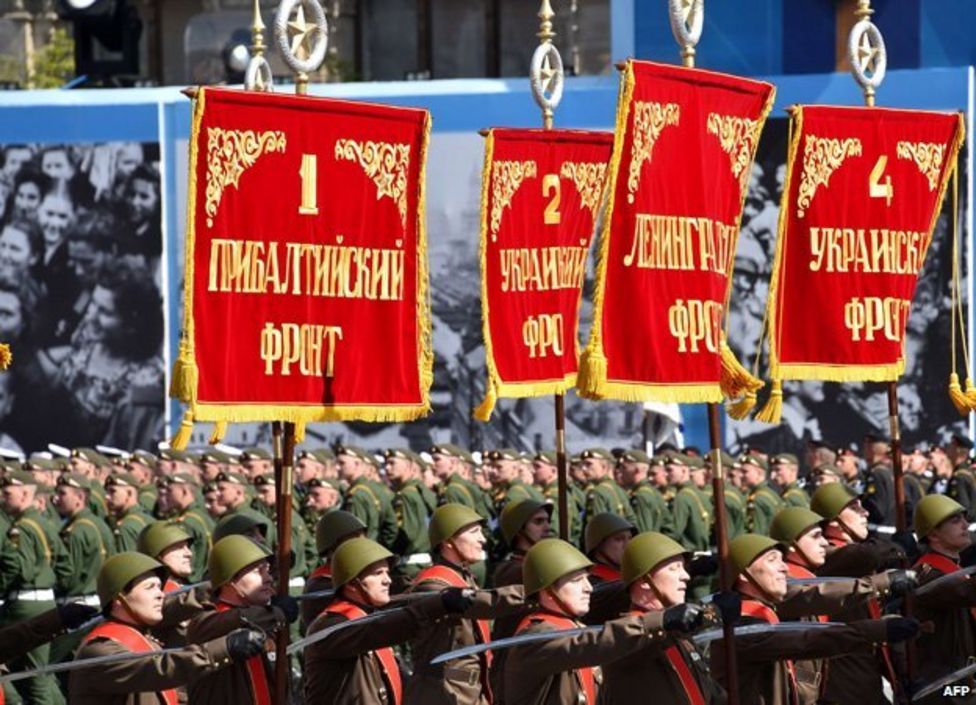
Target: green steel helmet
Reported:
point(601, 527)
point(333, 527)
point(448, 519)
point(517, 513)
point(932, 510)
point(354, 556)
point(238, 525)
point(232, 554)
point(159, 536)
point(745, 549)
point(829, 500)
point(120, 570)
point(645, 552)
point(548, 561)
point(791, 523)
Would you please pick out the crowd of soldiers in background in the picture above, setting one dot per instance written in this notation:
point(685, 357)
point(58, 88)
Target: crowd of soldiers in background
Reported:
point(79, 511)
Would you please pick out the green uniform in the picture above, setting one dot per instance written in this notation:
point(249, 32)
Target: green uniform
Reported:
point(270, 533)
point(411, 544)
point(89, 542)
point(692, 517)
point(795, 496)
point(126, 529)
point(650, 509)
point(735, 511)
point(551, 493)
point(199, 525)
point(363, 502)
point(388, 522)
point(28, 558)
point(607, 496)
point(148, 496)
point(96, 501)
point(761, 507)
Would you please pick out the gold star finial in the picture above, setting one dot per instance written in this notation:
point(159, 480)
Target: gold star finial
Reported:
point(303, 32)
point(867, 54)
point(548, 75)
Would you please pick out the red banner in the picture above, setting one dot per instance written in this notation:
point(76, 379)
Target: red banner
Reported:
point(306, 261)
point(863, 191)
point(541, 191)
point(685, 141)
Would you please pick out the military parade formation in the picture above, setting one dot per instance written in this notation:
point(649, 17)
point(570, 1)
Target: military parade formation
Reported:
point(436, 577)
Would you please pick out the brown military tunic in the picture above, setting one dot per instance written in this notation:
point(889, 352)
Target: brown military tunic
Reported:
point(767, 673)
point(949, 607)
point(19, 638)
point(563, 670)
point(144, 681)
point(319, 580)
point(509, 572)
point(244, 683)
point(346, 668)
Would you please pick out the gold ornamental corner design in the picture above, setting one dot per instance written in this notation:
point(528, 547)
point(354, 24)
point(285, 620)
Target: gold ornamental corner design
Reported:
point(650, 119)
point(589, 179)
point(738, 137)
point(506, 177)
point(229, 154)
point(928, 157)
point(822, 156)
point(385, 163)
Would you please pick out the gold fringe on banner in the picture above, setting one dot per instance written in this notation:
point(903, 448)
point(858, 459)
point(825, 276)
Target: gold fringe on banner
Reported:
point(218, 433)
point(182, 437)
point(957, 396)
point(735, 379)
point(741, 408)
point(772, 412)
point(300, 432)
point(483, 411)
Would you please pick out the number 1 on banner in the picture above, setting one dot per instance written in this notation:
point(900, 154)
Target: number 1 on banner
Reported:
point(881, 190)
point(309, 180)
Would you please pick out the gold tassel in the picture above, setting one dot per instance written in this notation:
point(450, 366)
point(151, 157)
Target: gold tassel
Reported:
point(185, 374)
point(592, 374)
point(957, 396)
point(741, 408)
point(6, 357)
point(219, 431)
point(483, 412)
point(182, 437)
point(735, 379)
point(971, 393)
point(772, 412)
point(299, 432)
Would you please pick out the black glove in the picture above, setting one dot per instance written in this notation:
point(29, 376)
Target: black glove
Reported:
point(683, 618)
point(900, 629)
point(457, 600)
point(906, 541)
point(74, 614)
point(702, 566)
point(242, 644)
point(902, 581)
point(729, 606)
point(288, 605)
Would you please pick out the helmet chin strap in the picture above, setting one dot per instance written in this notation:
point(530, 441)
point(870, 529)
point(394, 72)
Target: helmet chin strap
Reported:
point(762, 591)
point(559, 602)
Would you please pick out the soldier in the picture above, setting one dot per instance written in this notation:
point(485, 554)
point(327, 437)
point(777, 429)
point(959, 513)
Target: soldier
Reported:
point(308, 468)
point(30, 562)
point(941, 523)
point(650, 508)
point(321, 498)
point(562, 670)
point(653, 569)
point(962, 485)
point(506, 478)
point(331, 531)
point(212, 463)
point(242, 525)
point(690, 507)
point(87, 538)
point(89, 463)
point(412, 512)
point(256, 462)
point(604, 495)
point(128, 516)
point(879, 485)
point(302, 545)
point(233, 489)
point(606, 537)
point(546, 475)
point(240, 577)
point(735, 501)
point(26, 635)
point(211, 501)
point(766, 661)
point(825, 473)
point(455, 534)
point(142, 466)
point(849, 469)
point(169, 543)
point(523, 524)
point(762, 502)
point(179, 491)
point(917, 480)
point(129, 587)
point(388, 521)
point(357, 666)
point(361, 498)
point(783, 471)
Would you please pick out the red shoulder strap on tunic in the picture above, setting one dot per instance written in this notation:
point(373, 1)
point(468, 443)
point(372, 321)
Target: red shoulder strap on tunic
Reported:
point(447, 575)
point(583, 675)
point(323, 571)
point(133, 640)
point(676, 658)
point(170, 586)
point(388, 662)
point(941, 563)
point(260, 690)
point(604, 572)
point(799, 572)
point(758, 610)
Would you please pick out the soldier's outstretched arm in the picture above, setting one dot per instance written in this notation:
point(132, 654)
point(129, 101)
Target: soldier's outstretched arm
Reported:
point(19, 638)
point(500, 602)
point(825, 642)
point(211, 624)
point(950, 595)
point(831, 597)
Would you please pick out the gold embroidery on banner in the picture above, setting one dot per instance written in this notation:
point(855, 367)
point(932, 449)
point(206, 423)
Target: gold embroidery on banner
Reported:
point(650, 119)
point(229, 154)
point(928, 157)
point(738, 137)
point(589, 179)
point(506, 177)
point(385, 163)
point(822, 156)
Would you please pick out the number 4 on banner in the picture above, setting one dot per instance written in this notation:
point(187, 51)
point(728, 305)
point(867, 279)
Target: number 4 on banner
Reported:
point(878, 189)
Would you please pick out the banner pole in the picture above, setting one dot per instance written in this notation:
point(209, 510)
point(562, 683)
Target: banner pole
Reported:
point(284, 453)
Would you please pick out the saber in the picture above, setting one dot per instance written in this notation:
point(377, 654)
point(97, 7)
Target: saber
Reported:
point(825, 580)
point(945, 579)
point(939, 683)
point(512, 641)
point(711, 635)
point(315, 638)
point(85, 663)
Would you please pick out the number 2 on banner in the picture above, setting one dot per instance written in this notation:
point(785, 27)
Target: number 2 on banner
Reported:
point(309, 180)
point(878, 189)
point(550, 184)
